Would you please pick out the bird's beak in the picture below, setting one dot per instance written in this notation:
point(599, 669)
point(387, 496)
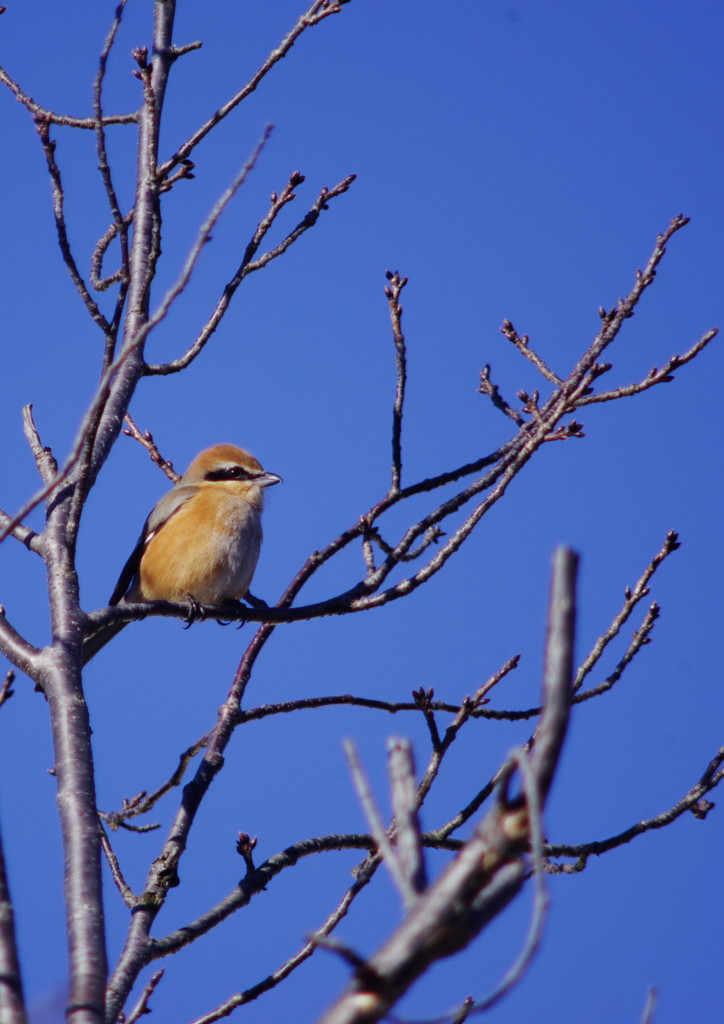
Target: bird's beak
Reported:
point(267, 479)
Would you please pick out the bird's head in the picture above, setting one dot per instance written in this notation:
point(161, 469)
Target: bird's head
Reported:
point(227, 462)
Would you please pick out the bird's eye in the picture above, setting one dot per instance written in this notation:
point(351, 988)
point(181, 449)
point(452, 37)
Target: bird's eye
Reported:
point(229, 473)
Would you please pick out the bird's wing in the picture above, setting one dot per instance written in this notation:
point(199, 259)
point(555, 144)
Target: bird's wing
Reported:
point(160, 515)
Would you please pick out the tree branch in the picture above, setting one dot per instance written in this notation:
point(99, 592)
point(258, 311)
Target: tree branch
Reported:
point(490, 869)
point(655, 376)
point(89, 302)
point(632, 598)
point(44, 114)
point(393, 292)
point(12, 1000)
point(249, 264)
point(317, 12)
point(121, 223)
point(693, 801)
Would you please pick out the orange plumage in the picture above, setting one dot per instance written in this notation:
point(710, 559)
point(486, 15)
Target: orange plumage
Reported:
point(202, 540)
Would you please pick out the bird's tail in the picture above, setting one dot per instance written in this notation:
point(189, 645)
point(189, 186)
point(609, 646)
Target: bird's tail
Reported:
point(93, 643)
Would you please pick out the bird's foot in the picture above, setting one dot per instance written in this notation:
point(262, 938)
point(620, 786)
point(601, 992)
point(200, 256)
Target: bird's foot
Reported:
point(194, 610)
point(235, 606)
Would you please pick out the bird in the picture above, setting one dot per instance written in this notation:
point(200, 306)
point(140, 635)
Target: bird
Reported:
point(201, 542)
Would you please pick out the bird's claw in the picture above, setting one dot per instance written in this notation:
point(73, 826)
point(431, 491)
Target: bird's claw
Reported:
point(235, 606)
point(194, 610)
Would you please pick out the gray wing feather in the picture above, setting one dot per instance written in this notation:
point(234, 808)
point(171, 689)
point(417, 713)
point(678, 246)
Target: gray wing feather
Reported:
point(160, 514)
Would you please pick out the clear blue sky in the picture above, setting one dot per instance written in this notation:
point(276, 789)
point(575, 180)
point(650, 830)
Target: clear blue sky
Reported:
point(514, 160)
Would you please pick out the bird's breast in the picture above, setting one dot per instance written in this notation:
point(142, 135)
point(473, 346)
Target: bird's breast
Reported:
point(208, 549)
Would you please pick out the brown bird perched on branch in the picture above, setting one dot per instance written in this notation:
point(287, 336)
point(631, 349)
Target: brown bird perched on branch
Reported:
point(201, 542)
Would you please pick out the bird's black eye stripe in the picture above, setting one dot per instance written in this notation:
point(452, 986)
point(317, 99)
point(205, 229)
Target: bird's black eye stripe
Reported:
point(230, 473)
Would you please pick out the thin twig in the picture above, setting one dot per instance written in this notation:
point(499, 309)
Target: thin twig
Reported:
point(558, 654)
point(432, 536)
point(368, 553)
point(44, 114)
point(249, 265)
point(45, 461)
point(120, 222)
point(141, 1006)
point(99, 282)
point(470, 708)
point(146, 440)
point(406, 799)
point(464, 1011)
point(655, 376)
point(487, 387)
point(12, 1001)
point(309, 220)
point(348, 699)
point(317, 12)
point(6, 689)
point(381, 835)
point(96, 315)
point(693, 801)
point(255, 882)
point(393, 291)
point(632, 598)
point(650, 1007)
point(585, 370)
point(423, 699)
point(127, 894)
point(203, 237)
point(104, 167)
point(640, 638)
point(521, 343)
point(144, 802)
point(363, 876)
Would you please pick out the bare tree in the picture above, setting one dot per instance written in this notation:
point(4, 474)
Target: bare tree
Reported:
point(507, 845)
